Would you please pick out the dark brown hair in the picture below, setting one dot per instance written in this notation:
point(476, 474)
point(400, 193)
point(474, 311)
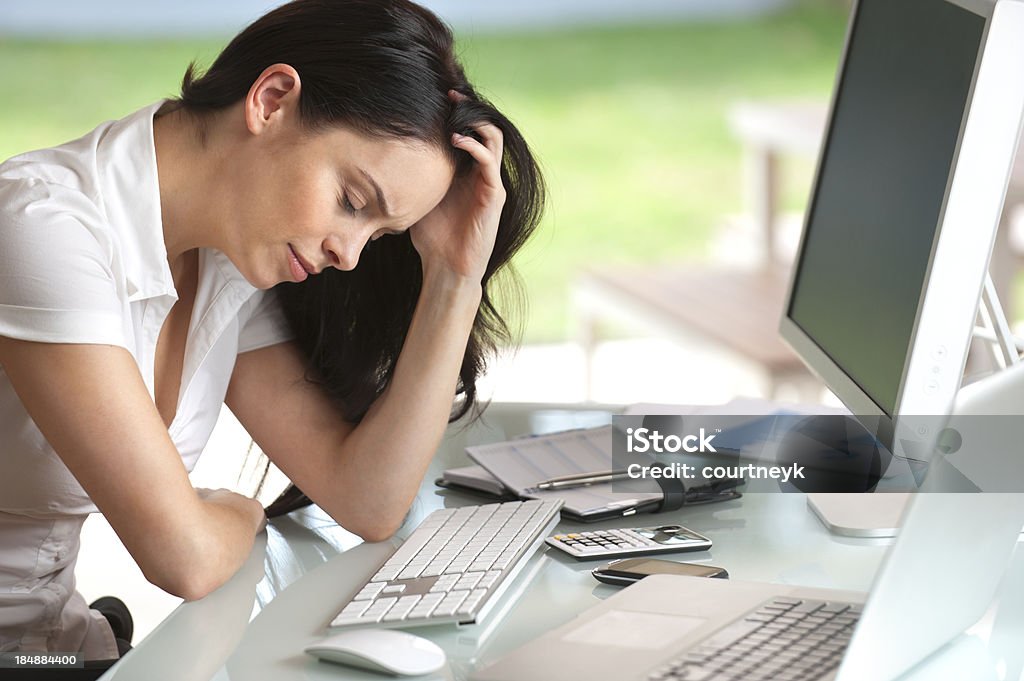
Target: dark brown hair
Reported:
point(383, 68)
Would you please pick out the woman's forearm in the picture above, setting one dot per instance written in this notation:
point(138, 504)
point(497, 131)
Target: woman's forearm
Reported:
point(388, 453)
point(91, 404)
point(390, 450)
point(213, 549)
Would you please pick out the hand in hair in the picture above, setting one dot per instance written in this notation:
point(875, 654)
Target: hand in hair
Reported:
point(458, 235)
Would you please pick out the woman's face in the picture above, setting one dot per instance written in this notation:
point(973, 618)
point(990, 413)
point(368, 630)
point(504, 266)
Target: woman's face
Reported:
point(310, 200)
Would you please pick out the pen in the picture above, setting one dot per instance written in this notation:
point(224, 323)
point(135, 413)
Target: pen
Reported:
point(581, 479)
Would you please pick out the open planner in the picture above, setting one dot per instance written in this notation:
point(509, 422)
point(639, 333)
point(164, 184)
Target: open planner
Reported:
point(516, 466)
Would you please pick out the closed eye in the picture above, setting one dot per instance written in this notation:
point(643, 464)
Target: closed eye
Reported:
point(344, 202)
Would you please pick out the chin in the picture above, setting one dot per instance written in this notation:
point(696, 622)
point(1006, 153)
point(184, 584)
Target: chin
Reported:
point(267, 284)
point(260, 281)
point(251, 271)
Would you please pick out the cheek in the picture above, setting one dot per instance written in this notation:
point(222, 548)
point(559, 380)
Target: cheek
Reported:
point(281, 215)
point(298, 202)
point(311, 205)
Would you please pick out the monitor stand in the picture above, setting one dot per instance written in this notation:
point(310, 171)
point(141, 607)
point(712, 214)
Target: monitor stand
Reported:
point(859, 515)
point(879, 514)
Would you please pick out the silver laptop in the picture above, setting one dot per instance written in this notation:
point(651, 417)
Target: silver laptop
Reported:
point(689, 628)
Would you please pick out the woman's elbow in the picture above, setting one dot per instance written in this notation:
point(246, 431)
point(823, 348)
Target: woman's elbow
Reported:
point(193, 590)
point(375, 529)
point(376, 534)
point(187, 583)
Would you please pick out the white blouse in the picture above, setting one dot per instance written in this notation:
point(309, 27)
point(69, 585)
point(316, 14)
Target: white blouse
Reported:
point(82, 260)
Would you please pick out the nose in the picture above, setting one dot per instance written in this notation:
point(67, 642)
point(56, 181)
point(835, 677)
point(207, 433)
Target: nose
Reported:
point(342, 254)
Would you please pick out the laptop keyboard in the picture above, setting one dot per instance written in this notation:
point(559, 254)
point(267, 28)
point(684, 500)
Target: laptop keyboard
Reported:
point(786, 639)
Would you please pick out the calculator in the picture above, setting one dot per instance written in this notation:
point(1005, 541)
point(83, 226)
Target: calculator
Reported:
point(622, 543)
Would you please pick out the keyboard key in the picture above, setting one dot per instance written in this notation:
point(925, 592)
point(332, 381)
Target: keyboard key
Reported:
point(383, 603)
point(759, 617)
point(347, 619)
point(426, 606)
point(445, 583)
point(835, 607)
point(786, 601)
point(806, 607)
point(355, 608)
point(408, 550)
point(728, 635)
point(468, 581)
point(504, 560)
point(450, 604)
point(472, 600)
point(369, 591)
point(379, 608)
point(401, 608)
point(488, 580)
point(387, 573)
point(434, 569)
point(411, 572)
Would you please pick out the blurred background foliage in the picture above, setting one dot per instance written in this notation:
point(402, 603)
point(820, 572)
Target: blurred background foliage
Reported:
point(629, 122)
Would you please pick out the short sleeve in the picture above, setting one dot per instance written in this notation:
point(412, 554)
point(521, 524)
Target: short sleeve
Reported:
point(266, 325)
point(57, 284)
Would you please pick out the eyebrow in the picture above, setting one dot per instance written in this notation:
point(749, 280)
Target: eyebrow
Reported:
point(381, 201)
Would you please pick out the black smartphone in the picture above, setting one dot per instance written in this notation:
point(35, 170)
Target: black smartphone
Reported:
point(629, 570)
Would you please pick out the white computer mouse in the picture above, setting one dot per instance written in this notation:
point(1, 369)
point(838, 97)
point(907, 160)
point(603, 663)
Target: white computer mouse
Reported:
point(381, 650)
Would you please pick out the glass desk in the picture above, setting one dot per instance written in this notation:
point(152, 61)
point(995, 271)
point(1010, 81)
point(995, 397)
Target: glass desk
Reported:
point(300, 572)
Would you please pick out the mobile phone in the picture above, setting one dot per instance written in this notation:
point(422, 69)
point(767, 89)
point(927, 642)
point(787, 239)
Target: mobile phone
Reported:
point(629, 570)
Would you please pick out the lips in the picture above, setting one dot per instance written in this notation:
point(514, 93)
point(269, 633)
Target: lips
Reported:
point(299, 268)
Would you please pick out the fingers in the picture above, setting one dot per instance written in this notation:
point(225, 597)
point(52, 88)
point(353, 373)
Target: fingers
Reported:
point(492, 136)
point(494, 140)
point(488, 154)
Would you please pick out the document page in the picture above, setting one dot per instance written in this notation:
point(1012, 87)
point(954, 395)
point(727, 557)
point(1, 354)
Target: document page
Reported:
point(521, 464)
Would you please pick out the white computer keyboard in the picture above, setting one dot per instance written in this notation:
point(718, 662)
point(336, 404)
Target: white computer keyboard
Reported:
point(453, 567)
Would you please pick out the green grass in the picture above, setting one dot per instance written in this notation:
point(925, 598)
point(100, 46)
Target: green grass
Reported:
point(629, 123)
point(58, 91)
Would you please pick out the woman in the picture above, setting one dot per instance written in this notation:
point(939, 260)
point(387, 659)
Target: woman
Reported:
point(203, 251)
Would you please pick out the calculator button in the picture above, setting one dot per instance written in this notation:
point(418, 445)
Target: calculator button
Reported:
point(589, 549)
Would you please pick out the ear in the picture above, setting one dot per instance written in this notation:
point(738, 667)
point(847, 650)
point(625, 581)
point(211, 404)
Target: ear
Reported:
point(273, 99)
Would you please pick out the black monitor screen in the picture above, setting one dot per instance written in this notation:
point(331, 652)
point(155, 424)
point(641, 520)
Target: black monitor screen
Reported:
point(881, 185)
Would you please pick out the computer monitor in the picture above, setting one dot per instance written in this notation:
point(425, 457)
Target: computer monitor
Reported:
point(907, 195)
